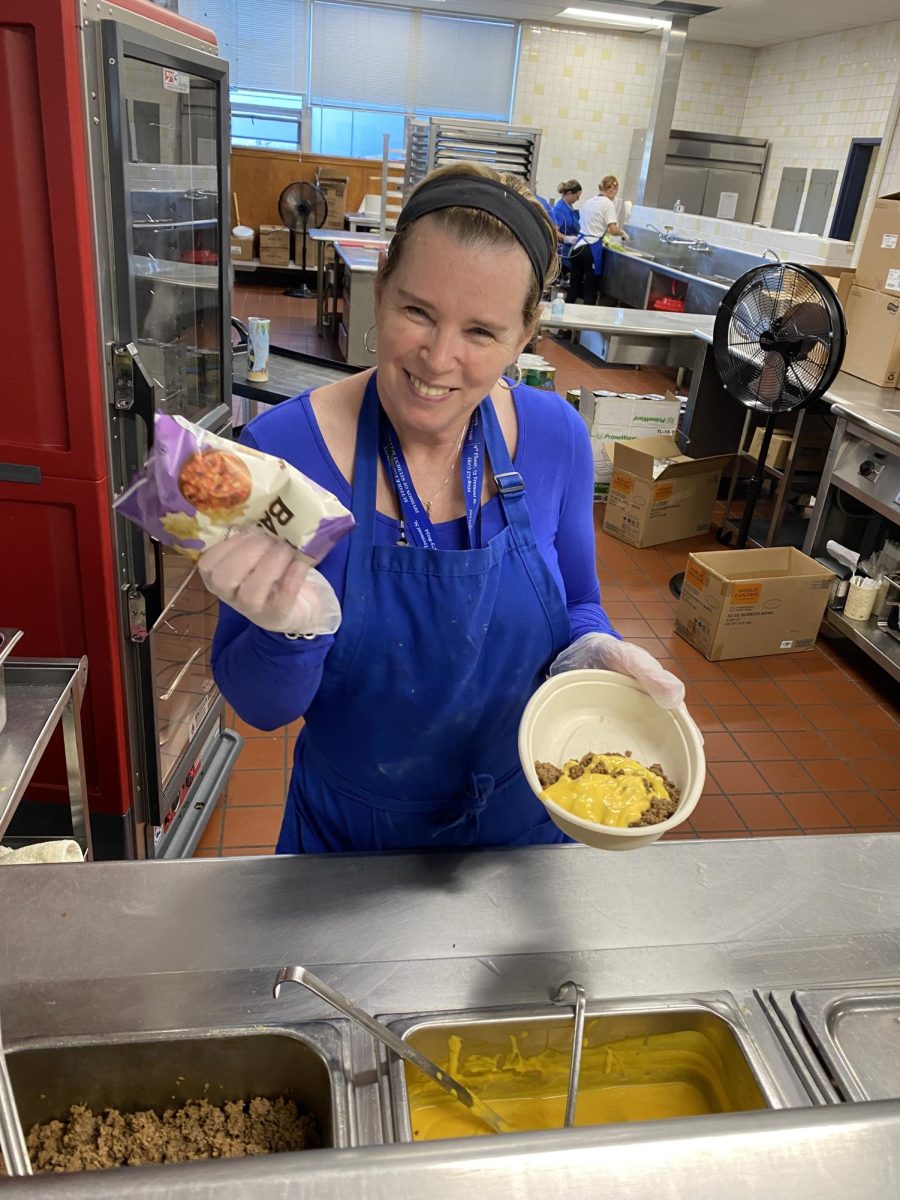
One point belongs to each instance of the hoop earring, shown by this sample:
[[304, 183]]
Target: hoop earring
[[510, 387], [370, 349]]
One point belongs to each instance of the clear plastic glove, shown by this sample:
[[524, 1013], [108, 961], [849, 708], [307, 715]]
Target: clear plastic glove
[[265, 581], [604, 652], [570, 239]]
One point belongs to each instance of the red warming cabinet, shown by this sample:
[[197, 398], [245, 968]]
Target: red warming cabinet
[[114, 143]]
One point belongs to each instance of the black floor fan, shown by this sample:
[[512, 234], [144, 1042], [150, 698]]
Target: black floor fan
[[778, 342], [302, 206]]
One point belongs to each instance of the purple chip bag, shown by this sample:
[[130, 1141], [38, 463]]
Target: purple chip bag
[[154, 490], [234, 487]]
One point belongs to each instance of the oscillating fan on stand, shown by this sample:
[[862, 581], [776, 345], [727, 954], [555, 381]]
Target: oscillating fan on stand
[[302, 206], [778, 342]]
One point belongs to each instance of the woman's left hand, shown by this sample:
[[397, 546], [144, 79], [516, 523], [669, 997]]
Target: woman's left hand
[[605, 652]]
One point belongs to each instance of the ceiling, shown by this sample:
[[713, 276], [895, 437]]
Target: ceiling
[[734, 22]]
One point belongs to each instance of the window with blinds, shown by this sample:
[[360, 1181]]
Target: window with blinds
[[263, 40], [366, 67], [366, 56]]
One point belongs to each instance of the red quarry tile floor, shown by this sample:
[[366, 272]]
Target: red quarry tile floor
[[808, 743]]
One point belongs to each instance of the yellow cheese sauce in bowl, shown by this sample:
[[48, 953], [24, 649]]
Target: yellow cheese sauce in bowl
[[618, 794]]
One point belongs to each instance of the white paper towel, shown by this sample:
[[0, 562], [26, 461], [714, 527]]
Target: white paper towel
[[65, 850]]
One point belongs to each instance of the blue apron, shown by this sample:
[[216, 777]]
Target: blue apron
[[596, 251], [411, 740]]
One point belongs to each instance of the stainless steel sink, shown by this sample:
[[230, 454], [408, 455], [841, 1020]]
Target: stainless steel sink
[[304, 1064], [698, 1048]]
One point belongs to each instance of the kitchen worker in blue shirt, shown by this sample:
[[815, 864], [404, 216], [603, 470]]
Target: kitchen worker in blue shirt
[[470, 572], [567, 217], [598, 217]]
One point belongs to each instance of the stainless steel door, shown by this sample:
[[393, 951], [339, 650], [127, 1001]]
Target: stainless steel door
[[687, 184], [731, 195]]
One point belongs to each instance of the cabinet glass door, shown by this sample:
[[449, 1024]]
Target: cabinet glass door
[[166, 108], [172, 202]]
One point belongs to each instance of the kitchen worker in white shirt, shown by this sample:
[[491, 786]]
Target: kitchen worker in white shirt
[[598, 217]]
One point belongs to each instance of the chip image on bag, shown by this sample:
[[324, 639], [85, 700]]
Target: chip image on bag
[[196, 488]]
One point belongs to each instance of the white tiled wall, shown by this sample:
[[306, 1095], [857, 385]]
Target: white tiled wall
[[713, 88], [587, 91], [809, 98]]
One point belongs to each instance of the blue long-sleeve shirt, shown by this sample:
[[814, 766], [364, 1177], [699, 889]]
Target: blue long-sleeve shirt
[[568, 222], [271, 680]]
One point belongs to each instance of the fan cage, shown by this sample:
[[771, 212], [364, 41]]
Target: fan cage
[[779, 337]]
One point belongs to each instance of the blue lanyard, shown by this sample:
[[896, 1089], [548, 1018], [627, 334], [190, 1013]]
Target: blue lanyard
[[414, 520]]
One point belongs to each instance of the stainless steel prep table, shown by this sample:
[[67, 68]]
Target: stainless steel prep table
[[322, 237], [125, 947], [863, 463]]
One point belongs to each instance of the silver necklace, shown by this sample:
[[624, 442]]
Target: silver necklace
[[428, 503]]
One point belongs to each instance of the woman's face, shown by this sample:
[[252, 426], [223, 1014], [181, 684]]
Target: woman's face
[[449, 321], [573, 197], [611, 191]]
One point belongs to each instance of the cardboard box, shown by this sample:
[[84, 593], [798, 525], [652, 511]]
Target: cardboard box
[[334, 188], [242, 247], [657, 494], [873, 337], [274, 245], [878, 268], [745, 603], [778, 448], [618, 418], [840, 278]]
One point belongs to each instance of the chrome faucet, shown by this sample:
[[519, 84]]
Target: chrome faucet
[[776, 257], [671, 238]]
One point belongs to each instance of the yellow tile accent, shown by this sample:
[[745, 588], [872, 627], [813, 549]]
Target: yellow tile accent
[[640, 69], [539, 89], [624, 118], [562, 112], [567, 72], [577, 135], [619, 88], [579, 51], [706, 88], [582, 93]]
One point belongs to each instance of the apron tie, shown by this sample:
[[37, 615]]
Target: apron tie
[[479, 790]]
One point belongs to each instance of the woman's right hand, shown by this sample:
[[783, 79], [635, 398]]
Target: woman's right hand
[[268, 583]]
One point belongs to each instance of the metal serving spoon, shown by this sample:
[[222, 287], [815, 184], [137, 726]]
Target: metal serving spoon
[[12, 1137], [345, 1005], [564, 995]]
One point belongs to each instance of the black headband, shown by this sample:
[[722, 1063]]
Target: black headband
[[517, 213]]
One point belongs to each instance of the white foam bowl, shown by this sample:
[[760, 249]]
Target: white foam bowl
[[581, 712]]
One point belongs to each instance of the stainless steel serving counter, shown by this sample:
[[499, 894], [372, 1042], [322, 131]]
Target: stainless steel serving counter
[[111, 950]]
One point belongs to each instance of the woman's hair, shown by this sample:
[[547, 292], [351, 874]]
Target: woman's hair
[[473, 227], [607, 182], [568, 185]]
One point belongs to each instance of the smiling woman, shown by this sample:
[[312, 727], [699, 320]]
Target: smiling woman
[[471, 567]]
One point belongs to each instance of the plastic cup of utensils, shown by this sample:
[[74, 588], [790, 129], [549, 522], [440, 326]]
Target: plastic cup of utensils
[[861, 597], [590, 712]]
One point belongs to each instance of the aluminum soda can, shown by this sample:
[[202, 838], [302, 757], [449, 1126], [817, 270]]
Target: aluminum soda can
[[258, 349], [573, 395]]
